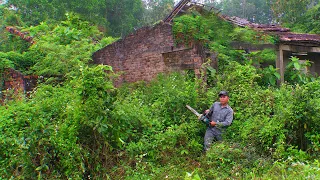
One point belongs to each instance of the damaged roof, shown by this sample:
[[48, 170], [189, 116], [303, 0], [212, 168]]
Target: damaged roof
[[22, 35], [260, 27], [285, 35], [300, 38]]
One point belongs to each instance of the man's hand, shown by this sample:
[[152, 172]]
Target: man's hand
[[212, 123]]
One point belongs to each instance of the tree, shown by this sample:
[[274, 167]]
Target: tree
[[156, 10], [210, 2], [254, 10], [287, 12], [290, 11], [115, 17], [313, 20], [10, 42], [35, 11], [123, 15], [310, 22]]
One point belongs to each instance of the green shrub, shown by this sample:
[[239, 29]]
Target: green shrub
[[274, 120], [161, 105], [62, 131], [232, 160]]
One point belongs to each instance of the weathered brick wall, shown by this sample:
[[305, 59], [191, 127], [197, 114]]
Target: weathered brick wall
[[182, 59], [15, 83], [146, 53]]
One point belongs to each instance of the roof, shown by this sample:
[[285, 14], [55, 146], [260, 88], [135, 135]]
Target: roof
[[176, 10], [23, 35], [285, 34], [261, 27], [300, 38]]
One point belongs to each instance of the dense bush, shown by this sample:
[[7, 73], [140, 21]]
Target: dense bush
[[274, 119], [149, 114], [65, 129], [150, 127], [52, 134]]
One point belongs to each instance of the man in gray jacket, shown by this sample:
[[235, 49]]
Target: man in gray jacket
[[221, 115]]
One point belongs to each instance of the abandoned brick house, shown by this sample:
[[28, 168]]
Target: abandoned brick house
[[151, 50], [144, 54]]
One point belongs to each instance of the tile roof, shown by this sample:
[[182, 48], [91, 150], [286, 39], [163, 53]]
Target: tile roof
[[302, 38]]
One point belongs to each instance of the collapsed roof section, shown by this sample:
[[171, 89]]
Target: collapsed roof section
[[176, 10], [22, 35], [303, 39], [285, 35], [260, 27]]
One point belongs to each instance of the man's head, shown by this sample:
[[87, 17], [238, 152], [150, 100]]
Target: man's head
[[224, 97]]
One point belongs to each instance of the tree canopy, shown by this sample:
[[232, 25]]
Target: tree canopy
[[115, 17], [286, 12]]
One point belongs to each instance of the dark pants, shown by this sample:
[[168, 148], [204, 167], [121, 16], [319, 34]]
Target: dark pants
[[212, 134]]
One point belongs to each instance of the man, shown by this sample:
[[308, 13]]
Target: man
[[221, 115]]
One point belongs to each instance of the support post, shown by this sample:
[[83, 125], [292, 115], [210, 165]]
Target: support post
[[280, 64]]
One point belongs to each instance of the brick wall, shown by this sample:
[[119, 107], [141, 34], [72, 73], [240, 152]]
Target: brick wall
[[15, 84], [148, 52]]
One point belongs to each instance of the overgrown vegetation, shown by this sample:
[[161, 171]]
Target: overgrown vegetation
[[77, 125]]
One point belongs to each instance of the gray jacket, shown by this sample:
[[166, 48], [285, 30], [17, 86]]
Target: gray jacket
[[222, 116]]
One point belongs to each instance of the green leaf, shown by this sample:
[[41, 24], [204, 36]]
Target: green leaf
[[276, 74], [184, 152], [297, 65], [272, 81]]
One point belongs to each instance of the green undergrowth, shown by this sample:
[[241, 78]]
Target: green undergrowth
[[144, 131], [82, 127]]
